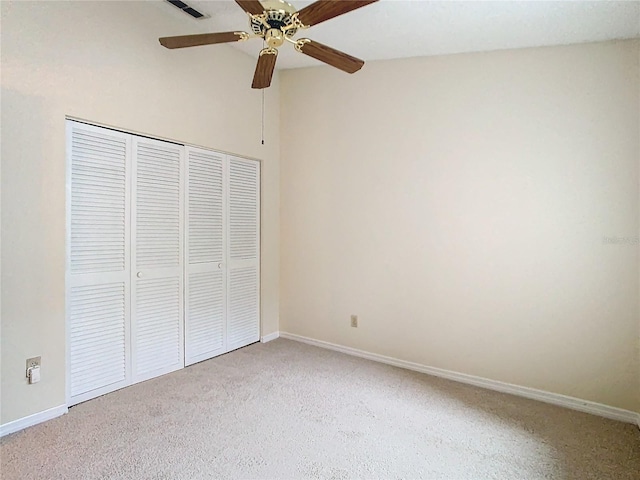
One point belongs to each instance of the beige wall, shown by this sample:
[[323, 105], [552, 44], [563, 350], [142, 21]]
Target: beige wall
[[92, 61], [458, 205]]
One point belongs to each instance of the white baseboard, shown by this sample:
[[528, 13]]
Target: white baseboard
[[31, 420], [271, 336], [532, 393]]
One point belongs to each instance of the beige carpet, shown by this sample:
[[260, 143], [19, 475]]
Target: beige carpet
[[288, 410]]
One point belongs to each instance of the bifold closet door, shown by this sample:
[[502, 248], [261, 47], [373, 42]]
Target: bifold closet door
[[157, 258], [98, 246], [163, 257], [243, 311], [205, 299]]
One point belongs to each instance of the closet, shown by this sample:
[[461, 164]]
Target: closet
[[163, 257]]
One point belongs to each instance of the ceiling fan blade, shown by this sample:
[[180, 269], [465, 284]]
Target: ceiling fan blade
[[254, 7], [329, 55], [264, 68], [323, 10], [183, 41]]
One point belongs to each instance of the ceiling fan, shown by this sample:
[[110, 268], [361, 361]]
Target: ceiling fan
[[276, 21]]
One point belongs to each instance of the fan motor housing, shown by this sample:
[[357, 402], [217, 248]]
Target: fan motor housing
[[278, 15]]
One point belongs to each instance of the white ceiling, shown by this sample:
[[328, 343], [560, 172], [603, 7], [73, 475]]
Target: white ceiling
[[410, 28]]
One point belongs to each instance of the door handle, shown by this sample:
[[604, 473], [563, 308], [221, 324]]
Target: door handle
[[220, 265], [139, 274]]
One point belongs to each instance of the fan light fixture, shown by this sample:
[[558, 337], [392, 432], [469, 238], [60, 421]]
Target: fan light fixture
[[276, 22]]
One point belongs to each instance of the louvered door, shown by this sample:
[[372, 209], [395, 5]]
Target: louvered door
[[243, 310], [205, 305], [98, 246], [157, 258], [146, 218]]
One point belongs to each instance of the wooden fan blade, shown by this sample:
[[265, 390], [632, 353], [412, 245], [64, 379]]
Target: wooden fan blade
[[254, 7], [183, 41], [330, 56], [323, 10], [264, 68]]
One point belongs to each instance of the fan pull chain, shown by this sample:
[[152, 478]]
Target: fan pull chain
[[264, 44]]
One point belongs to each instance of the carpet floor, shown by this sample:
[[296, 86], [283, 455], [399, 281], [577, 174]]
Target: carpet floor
[[286, 410]]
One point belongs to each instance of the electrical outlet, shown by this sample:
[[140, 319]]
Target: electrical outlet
[[354, 321], [31, 363]]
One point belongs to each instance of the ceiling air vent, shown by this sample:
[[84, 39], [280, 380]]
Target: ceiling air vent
[[187, 9]]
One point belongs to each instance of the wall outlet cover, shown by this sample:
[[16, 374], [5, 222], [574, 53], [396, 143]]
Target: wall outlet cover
[[31, 363]]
